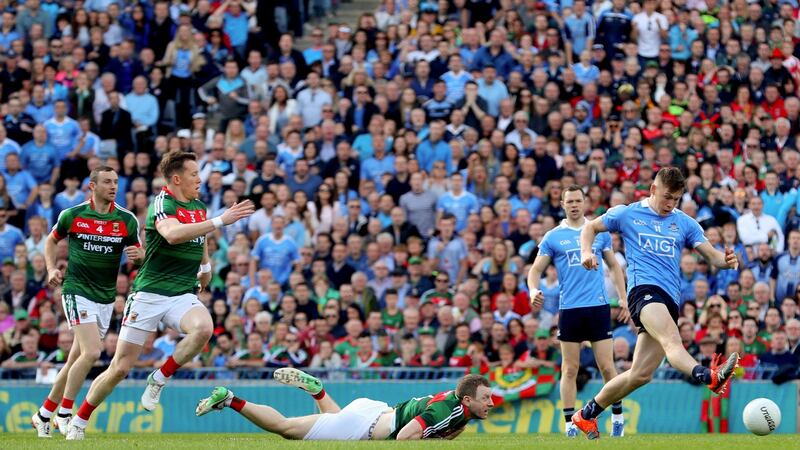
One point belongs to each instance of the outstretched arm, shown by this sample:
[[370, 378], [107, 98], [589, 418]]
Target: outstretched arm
[[589, 232], [718, 259], [177, 233]]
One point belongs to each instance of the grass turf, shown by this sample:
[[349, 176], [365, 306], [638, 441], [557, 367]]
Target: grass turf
[[258, 441]]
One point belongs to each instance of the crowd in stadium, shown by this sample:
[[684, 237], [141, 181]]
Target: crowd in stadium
[[406, 166]]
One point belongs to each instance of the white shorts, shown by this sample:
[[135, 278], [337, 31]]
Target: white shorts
[[80, 310], [352, 423], [144, 311]]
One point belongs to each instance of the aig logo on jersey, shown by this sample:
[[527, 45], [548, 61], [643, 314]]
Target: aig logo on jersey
[[658, 245], [573, 257]]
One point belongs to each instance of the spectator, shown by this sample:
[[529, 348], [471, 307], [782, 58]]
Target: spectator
[[253, 355], [326, 358], [275, 252], [779, 353], [29, 357], [755, 227]]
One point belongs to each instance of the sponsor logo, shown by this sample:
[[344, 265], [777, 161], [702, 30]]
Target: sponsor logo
[[657, 245], [98, 238], [768, 418], [574, 257], [648, 297], [97, 248]]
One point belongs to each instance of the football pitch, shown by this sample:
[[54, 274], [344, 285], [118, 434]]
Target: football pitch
[[258, 441]]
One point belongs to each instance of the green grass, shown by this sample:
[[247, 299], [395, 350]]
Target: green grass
[[18, 441]]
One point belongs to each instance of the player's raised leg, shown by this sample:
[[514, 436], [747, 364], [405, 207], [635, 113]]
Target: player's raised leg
[[646, 358], [265, 417], [126, 355], [604, 356], [666, 333], [196, 324], [716, 377], [310, 384]]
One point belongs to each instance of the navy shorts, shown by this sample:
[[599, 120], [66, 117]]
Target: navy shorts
[[592, 323], [640, 296]]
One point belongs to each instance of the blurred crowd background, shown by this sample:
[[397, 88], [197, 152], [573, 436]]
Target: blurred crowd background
[[405, 164]]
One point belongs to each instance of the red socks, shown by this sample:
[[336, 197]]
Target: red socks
[[237, 404], [49, 405], [86, 410], [169, 367], [67, 403], [319, 395]]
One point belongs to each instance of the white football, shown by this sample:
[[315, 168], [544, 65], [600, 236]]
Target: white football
[[761, 416]]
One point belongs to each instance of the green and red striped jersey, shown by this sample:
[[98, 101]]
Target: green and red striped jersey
[[170, 270], [439, 415], [95, 246]]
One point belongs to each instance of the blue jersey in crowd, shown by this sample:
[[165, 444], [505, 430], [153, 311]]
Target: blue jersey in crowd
[[63, 136], [460, 206], [786, 273], [10, 236], [40, 161], [277, 255], [653, 244], [579, 288]]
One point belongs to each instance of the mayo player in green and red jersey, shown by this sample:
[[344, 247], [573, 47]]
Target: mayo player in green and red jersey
[[440, 416], [176, 258], [98, 232]]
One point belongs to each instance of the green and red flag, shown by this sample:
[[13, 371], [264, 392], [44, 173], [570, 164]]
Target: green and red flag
[[511, 384]]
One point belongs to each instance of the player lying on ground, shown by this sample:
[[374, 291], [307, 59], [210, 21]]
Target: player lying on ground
[[584, 313], [443, 415], [99, 231], [654, 233], [164, 289]]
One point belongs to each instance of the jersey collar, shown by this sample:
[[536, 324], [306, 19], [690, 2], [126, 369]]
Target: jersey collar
[[166, 189], [466, 411], [565, 225], [91, 205], [645, 203]]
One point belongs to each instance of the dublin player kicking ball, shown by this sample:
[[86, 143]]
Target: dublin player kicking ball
[[98, 232], [176, 258], [655, 234], [440, 416]]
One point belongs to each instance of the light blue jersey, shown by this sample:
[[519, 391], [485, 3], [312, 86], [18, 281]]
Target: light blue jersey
[[63, 136], [653, 244], [460, 206], [579, 288], [277, 255]]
